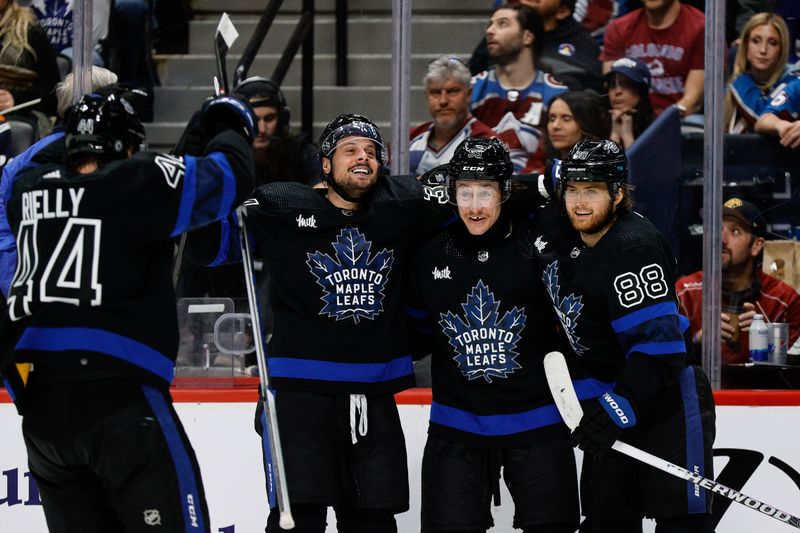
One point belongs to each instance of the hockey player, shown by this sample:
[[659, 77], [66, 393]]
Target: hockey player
[[339, 350], [478, 288], [92, 307], [611, 280]]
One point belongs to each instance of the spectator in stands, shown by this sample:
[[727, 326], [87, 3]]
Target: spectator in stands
[[780, 116], [511, 97], [746, 290], [669, 37], [630, 111], [28, 68], [55, 17], [569, 52], [789, 10], [573, 116], [279, 155], [448, 91], [759, 70]]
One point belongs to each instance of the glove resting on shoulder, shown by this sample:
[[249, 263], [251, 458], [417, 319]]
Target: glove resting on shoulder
[[603, 421]]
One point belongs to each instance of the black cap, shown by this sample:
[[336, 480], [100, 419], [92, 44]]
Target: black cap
[[746, 213]]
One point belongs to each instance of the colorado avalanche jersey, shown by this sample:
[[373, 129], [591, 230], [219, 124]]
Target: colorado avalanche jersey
[[786, 103], [616, 302], [422, 157], [490, 324], [93, 287], [518, 116], [337, 279], [750, 100]]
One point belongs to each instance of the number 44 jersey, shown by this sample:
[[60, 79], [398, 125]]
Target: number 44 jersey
[[616, 302], [93, 287]]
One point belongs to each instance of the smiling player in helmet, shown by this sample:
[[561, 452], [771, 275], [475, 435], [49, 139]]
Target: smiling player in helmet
[[611, 279], [482, 311]]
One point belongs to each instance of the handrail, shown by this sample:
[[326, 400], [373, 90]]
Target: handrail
[[255, 42], [298, 36]]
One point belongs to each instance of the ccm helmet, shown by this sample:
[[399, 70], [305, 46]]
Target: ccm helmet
[[103, 125], [481, 159], [352, 125], [262, 92], [595, 161]]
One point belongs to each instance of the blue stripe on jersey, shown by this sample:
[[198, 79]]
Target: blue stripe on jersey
[[269, 468], [695, 457], [589, 388], [415, 312], [187, 196], [101, 342], [22, 162], [10, 390], [494, 425], [228, 184], [225, 239], [658, 348], [683, 323], [187, 485], [289, 367], [641, 316]]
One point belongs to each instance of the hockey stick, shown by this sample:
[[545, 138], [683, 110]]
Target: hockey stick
[[276, 479], [555, 368]]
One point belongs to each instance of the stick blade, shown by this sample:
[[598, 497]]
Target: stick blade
[[560, 383], [226, 33]]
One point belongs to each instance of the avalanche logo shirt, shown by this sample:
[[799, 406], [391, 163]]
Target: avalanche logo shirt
[[485, 347], [352, 280]]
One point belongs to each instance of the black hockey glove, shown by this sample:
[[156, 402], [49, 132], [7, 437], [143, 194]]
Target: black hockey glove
[[602, 422], [434, 182], [194, 138], [229, 113]]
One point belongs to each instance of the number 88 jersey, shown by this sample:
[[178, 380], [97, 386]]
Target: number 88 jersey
[[616, 301]]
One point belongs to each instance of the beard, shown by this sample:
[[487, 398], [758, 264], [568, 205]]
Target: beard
[[599, 221], [506, 54], [351, 189]]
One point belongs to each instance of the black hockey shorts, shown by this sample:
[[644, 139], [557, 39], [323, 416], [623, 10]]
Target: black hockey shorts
[[458, 480], [323, 465], [617, 491], [111, 455]]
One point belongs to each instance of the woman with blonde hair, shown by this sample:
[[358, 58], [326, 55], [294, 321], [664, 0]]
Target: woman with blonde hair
[[759, 71], [28, 68]]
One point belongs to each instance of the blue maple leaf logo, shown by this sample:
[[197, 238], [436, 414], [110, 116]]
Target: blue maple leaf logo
[[352, 281], [567, 309], [485, 347]]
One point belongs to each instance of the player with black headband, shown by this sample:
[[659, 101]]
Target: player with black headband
[[279, 155], [478, 293], [91, 305], [611, 279], [339, 349]]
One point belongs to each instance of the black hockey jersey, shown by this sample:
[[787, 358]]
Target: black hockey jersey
[[483, 301], [92, 288], [616, 303], [337, 279]]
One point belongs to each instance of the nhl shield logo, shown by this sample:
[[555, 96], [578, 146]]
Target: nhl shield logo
[[152, 517], [483, 256], [352, 280], [485, 344]]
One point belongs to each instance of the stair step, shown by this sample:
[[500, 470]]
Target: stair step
[[366, 35], [363, 69], [176, 104], [354, 6]]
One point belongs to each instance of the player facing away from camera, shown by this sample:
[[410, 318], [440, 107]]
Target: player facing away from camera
[[92, 307], [611, 280], [478, 294]]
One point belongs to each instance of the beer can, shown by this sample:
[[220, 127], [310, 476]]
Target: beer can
[[778, 341]]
